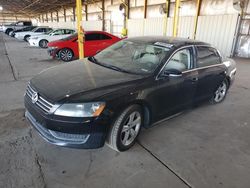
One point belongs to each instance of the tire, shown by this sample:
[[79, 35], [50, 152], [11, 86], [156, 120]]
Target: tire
[[66, 54], [121, 137], [8, 31], [26, 38], [43, 43], [220, 93]]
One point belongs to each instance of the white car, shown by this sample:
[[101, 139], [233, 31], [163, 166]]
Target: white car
[[37, 31], [43, 40]]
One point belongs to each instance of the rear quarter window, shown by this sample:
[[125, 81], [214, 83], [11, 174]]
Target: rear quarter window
[[207, 56]]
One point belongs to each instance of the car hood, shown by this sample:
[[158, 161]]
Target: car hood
[[79, 77]]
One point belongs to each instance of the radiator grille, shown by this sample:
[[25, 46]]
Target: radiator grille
[[41, 102]]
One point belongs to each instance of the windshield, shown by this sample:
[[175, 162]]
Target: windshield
[[33, 30], [133, 57]]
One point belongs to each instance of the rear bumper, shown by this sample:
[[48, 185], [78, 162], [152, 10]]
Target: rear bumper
[[82, 134]]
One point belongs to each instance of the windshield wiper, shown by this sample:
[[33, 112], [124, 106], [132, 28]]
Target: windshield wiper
[[94, 60]]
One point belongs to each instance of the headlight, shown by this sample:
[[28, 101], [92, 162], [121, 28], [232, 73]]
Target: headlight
[[53, 47], [81, 109]]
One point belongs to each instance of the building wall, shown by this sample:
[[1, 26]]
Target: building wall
[[220, 15], [8, 19]]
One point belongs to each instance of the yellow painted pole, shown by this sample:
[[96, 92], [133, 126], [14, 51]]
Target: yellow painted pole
[[198, 7], [166, 19], [80, 28], [176, 18]]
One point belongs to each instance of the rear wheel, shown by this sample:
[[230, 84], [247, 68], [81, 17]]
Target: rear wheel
[[26, 37], [66, 54], [125, 129], [43, 43], [220, 93]]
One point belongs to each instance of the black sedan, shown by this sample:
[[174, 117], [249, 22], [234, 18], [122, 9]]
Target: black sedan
[[132, 84]]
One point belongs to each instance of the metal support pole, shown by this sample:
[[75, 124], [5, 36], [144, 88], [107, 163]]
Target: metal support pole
[[176, 18], [166, 18], [57, 16], [74, 14], [64, 15], [145, 8], [86, 12], [51, 17], [198, 8], [80, 28], [103, 15]]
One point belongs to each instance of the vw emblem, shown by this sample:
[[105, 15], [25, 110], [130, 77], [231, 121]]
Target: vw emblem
[[34, 97]]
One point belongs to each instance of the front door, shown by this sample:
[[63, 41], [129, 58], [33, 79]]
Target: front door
[[176, 92]]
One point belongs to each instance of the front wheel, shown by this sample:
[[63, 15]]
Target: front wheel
[[125, 129], [43, 43], [26, 38], [220, 93], [66, 54]]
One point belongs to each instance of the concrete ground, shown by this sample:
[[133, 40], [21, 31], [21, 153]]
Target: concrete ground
[[208, 146]]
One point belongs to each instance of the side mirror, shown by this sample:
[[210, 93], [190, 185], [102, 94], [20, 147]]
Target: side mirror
[[172, 73]]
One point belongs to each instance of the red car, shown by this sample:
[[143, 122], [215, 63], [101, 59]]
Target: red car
[[67, 49]]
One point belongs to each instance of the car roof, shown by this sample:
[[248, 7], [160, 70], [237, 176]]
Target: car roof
[[174, 41]]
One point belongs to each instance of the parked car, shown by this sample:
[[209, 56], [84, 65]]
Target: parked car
[[67, 49], [131, 84], [35, 32], [16, 26], [30, 28], [43, 40]]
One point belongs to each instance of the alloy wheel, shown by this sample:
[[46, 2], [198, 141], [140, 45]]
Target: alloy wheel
[[131, 128], [220, 93], [66, 55], [44, 44]]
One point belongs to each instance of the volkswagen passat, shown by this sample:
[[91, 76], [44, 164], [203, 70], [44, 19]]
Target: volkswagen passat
[[132, 84]]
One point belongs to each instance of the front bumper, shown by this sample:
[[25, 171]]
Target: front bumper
[[33, 43], [84, 134], [19, 37], [53, 52]]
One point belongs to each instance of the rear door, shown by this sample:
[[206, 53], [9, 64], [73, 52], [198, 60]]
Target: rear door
[[211, 71], [94, 42]]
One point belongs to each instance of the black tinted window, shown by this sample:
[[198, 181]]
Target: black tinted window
[[96, 36], [207, 56], [27, 23], [39, 30]]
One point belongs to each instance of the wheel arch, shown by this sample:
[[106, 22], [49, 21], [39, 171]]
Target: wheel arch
[[146, 109]]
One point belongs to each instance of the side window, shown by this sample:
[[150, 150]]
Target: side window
[[207, 56], [19, 24], [47, 29], [180, 61], [104, 37], [39, 30], [96, 36], [92, 36], [27, 23], [68, 31], [58, 32]]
